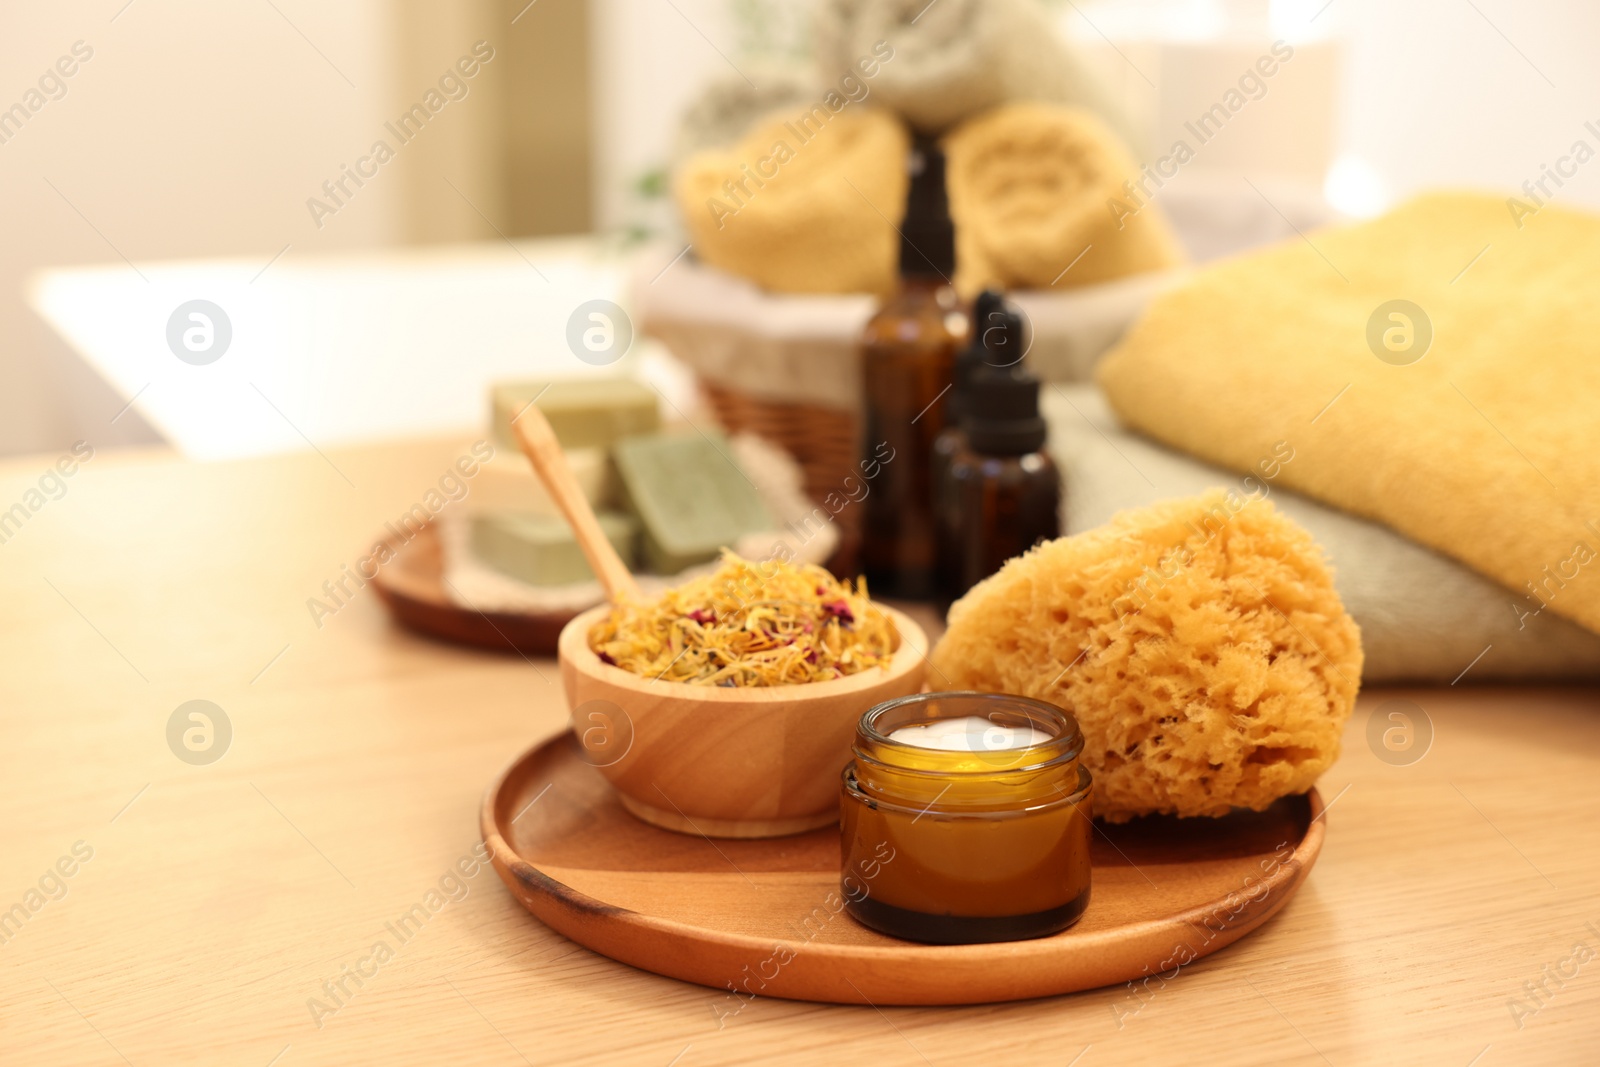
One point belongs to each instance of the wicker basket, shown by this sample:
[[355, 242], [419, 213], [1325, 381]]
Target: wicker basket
[[822, 440], [787, 367]]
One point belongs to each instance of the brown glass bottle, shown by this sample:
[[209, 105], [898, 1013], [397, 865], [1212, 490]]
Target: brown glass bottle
[[995, 330], [1005, 492], [908, 357]]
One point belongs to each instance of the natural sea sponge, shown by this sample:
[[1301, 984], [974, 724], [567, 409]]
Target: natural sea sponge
[[1199, 642], [804, 203]]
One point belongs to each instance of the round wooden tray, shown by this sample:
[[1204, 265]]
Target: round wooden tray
[[761, 917], [412, 587]]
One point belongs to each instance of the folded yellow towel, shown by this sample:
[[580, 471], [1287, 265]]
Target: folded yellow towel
[[1469, 426], [1030, 186], [803, 203]]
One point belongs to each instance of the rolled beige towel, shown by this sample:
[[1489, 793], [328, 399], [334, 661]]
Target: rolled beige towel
[[805, 203], [955, 58], [1030, 186]]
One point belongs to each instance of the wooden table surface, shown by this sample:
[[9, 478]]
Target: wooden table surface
[[207, 905]]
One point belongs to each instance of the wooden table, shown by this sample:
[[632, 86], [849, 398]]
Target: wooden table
[[220, 898]]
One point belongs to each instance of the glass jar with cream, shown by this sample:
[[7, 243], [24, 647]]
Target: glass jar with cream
[[965, 818]]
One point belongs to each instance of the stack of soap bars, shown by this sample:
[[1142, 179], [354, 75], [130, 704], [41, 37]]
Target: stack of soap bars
[[666, 500]]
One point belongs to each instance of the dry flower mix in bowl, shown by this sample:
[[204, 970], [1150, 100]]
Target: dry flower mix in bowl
[[748, 624]]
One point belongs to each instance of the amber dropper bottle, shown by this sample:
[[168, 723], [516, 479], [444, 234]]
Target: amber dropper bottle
[[1005, 491], [907, 356], [987, 312]]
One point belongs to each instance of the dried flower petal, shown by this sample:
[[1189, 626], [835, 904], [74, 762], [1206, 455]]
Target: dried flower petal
[[757, 624]]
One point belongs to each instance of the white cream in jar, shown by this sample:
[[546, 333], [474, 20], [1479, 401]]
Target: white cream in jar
[[970, 733]]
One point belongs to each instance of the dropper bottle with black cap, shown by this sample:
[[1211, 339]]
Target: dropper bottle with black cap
[[907, 355], [987, 310], [1005, 491]]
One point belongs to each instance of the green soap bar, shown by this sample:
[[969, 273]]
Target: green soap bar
[[584, 412], [540, 549], [690, 497]]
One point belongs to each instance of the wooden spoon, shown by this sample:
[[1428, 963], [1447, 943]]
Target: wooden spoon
[[539, 444]]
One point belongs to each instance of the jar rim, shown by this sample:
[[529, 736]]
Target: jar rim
[[1066, 744], [852, 788]]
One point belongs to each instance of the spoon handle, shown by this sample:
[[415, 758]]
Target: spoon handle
[[539, 444]]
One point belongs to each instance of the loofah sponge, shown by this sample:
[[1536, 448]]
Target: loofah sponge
[[1030, 186], [803, 203], [1199, 642]]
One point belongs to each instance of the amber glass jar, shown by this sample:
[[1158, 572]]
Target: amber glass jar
[[986, 839]]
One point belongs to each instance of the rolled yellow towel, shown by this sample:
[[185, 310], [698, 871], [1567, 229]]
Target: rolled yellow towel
[[1029, 191], [806, 203], [1199, 642], [1435, 369]]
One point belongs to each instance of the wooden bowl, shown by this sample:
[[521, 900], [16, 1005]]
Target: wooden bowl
[[726, 762]]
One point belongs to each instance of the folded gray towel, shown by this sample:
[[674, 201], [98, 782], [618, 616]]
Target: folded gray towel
[[728, 106], [955, 58], [1423, 617]]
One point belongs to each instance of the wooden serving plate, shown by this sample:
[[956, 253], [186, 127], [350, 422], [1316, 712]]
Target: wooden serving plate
[[412, 586], [760, 917]]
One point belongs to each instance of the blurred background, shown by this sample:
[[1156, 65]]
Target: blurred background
[[188, 145]]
